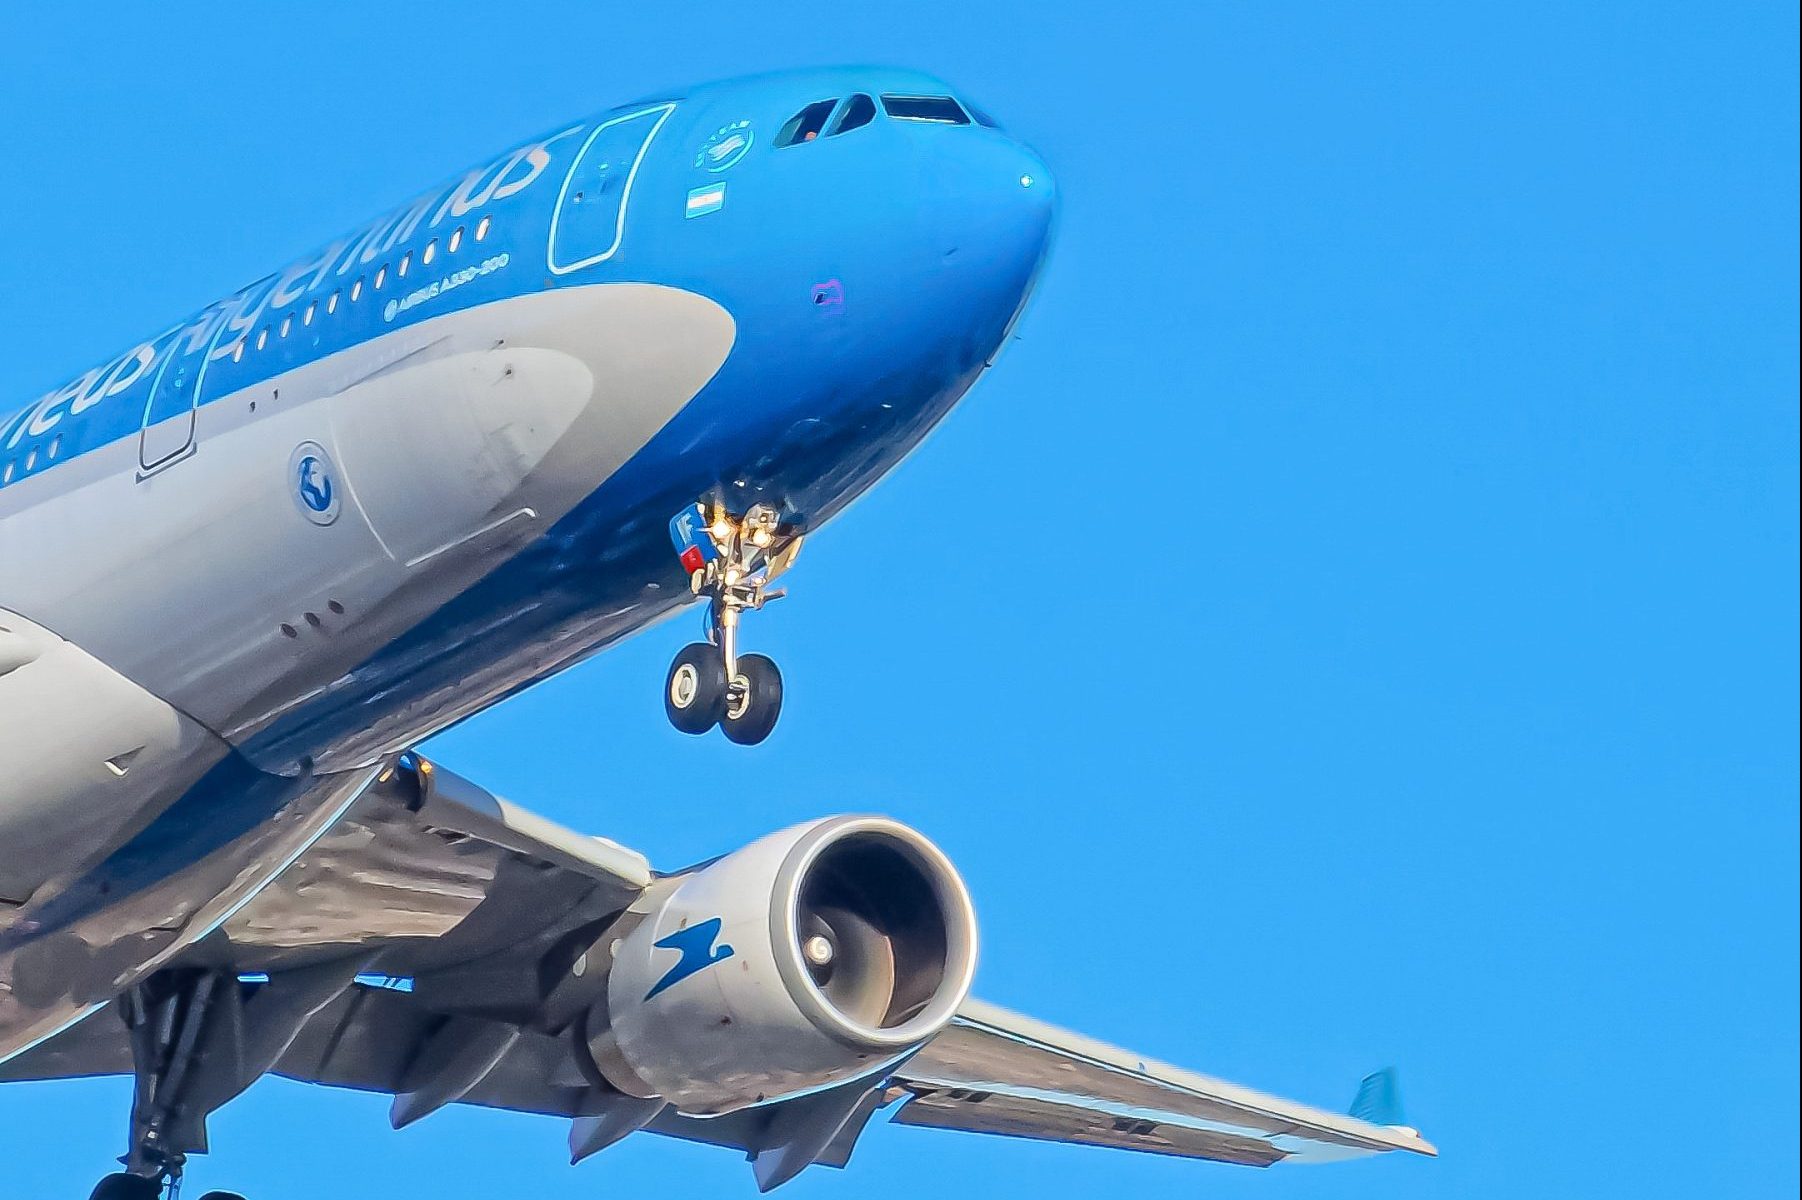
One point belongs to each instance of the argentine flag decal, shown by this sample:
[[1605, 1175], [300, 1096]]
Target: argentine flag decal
[[694, 545], [703, 200]]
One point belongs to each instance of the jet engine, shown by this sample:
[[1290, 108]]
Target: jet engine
[[810, 957]]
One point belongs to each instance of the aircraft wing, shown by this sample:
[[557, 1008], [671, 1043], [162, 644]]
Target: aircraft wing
[[429, 948], [993, 1071]]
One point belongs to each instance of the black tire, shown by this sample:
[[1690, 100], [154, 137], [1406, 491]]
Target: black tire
[[127, 1187], [694, 693], [221, 1196], [749, 719]]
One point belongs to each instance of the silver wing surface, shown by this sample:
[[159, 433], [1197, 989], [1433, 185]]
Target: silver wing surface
[[436, 946], [994, 1071]]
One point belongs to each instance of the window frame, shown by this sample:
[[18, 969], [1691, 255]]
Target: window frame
[[838, 124], [790, 134], [904, 98]]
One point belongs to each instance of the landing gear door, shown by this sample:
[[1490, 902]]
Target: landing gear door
[[590, 221]]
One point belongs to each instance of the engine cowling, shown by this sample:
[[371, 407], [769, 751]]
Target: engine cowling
[[809, 957]]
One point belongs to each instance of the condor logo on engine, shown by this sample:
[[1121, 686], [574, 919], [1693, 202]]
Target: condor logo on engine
[[695, 944]]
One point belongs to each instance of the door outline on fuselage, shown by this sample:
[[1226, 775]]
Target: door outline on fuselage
[[230, 309], [619, 226], [146, 465], [168, 345]]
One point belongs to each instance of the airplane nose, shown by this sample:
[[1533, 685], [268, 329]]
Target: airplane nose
[[1024, 213], [1034, 176], [1007, 212], [969, 214], [1038, 200]]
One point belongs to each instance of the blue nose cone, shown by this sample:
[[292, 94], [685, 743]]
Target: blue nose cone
[[1035, 206], [997, 231]]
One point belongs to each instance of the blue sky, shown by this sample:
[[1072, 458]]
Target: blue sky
[[1408, 424]]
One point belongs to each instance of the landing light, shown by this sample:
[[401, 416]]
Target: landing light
[[1026, 181]]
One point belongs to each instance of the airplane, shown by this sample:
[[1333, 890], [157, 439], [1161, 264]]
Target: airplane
[[247, 565]]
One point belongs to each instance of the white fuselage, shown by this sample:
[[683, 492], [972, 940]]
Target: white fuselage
[[169, 614]]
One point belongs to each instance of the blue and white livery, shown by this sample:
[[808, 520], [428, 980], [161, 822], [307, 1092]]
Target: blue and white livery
[[247, 563]]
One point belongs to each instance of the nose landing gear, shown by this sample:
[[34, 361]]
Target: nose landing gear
[[731, 561]]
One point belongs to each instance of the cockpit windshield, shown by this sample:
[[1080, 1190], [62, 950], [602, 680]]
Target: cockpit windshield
[[805, 125], [829, 118], [858, 111], [940, 109]]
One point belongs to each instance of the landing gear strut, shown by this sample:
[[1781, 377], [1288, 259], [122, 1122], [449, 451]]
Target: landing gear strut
[[731, 561], [183, 1024]]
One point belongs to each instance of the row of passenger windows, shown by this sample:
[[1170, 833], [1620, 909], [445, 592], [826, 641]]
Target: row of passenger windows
[[315, 310], [818, 119], [22, 466], [338, 299]]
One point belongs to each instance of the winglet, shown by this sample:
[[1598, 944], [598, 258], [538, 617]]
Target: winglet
[[1379, 1100]]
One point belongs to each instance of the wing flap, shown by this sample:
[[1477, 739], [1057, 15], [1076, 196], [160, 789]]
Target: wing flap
[[1042, 1119], [996, 1072]]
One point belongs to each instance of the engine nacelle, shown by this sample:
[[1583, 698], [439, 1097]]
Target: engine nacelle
[[810, 957]]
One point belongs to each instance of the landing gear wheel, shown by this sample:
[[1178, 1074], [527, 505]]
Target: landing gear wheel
[[221, 1196], [731, 561], [755, 701], [694, 695], [123, 1186]]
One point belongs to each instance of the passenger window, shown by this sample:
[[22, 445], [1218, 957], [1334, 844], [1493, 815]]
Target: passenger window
[[942, 110], [859, 111], [805, 125]]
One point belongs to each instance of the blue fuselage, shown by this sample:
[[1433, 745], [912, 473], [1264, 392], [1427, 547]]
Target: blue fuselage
[[515, 380]]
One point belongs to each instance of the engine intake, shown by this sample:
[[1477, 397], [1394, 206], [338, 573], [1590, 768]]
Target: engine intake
[[809, 957]]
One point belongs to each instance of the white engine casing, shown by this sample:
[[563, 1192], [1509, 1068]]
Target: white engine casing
[[735, 1015]]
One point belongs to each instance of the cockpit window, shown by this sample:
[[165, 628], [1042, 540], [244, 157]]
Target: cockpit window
[[858, 111], [941, 109], [805, 125], [982, 118]]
